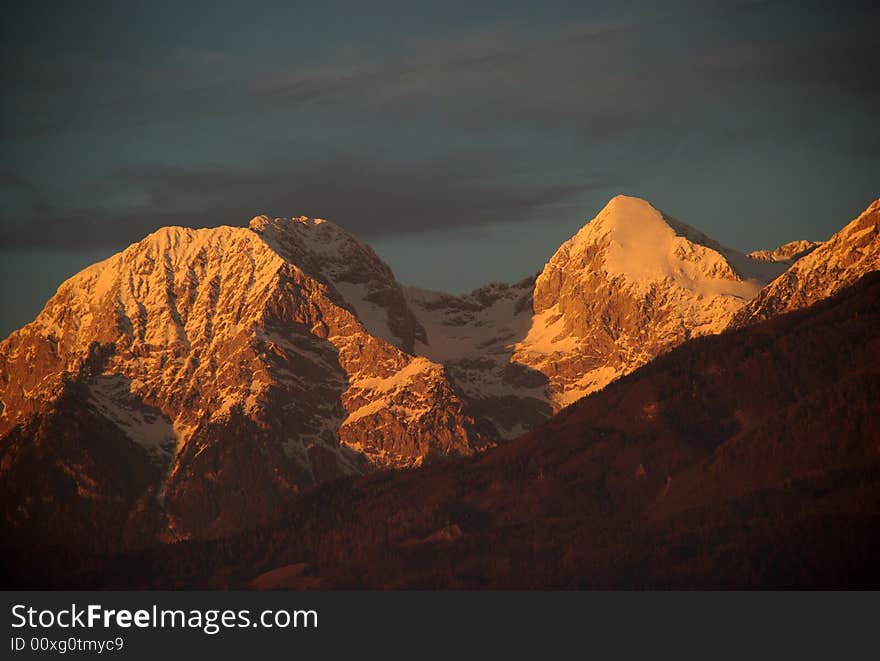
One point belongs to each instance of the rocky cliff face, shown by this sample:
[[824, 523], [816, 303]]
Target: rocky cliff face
[[192, 384], [788, 252], [240, 365], [827, 269], [630, 285], [735, 461], [474, 337]]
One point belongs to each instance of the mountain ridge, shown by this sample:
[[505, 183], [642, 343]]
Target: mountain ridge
[[662, 480], [293, 334], [216, 329], [822, 271]]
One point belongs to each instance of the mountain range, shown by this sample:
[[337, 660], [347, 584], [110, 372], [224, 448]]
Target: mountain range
[[729, 462], [201, 382]]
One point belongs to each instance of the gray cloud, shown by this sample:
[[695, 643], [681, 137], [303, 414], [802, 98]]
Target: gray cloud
[[536, 115], [367, 198]]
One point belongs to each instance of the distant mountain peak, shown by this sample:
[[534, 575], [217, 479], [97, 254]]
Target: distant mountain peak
[[788, 252], [826, 269], [640, 243], [627, 215], [630, 284]]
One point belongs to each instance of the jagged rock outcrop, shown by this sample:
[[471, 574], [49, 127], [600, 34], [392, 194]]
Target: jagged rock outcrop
[[630, 285], [789, 252], [832, 266], [474, 337], [245, 364]]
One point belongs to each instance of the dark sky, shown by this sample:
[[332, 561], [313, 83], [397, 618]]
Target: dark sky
[[464, 141]]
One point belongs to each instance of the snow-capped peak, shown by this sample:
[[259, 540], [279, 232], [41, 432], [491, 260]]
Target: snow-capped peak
[[632, 240], [627, 216], [630, 284]]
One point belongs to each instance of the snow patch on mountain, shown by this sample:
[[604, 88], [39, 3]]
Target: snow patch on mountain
[[644, 247], [373, 316], [547, 335], [112, 397]]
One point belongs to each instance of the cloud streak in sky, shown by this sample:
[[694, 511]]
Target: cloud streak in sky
[[499, 121], [375, 199]]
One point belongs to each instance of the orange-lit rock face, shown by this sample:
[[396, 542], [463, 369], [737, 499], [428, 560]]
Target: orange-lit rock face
[[195, 382], [712, 467], [238, 374], [828, 268], [630, 285]]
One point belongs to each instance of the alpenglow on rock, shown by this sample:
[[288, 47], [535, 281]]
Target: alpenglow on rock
[[831, 266], [194, 383], [631, 284], [240, 365]]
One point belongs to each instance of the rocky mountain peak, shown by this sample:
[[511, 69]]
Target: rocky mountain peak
[[356, 275], [633, 241], [788, 252], [632, 283], [831, 266], [262, 360]]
